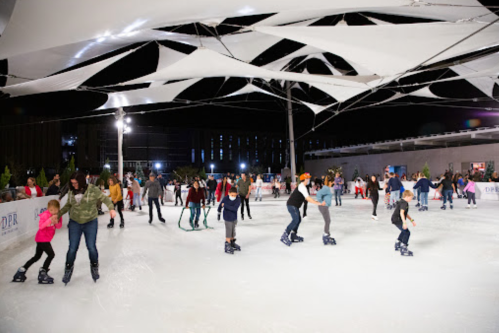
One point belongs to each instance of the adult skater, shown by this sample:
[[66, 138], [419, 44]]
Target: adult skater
[[393, 186], [277, 187], [244, 190], [116, 195], [162, 182], [448, 190], [338, 188], [359, 187], [154, 188], [223, 188], [136, 194], [305, 204], [325, 195], [211, 185], [399, 219], [82, 207], [296, 199], [177, 189], [194, 200], [259, 185], [230, 204], [373, 186], [423, 185]]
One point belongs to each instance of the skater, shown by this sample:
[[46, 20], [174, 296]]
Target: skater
[[45, 234], [116, 196], [393, 186], [230, 205], [129, 197], [194, 200], [338, 188], [373, 186], [359, 187], [325, 195], [259, 185], [288, 185], [154, 188], [244, 190], [470, 191], [296, 199], [162, 182], [448, 190], [277, 186], [223, 188], [423, 185], [211, 185], [136, 194], [178, 192], [81, 204], [399, 219]]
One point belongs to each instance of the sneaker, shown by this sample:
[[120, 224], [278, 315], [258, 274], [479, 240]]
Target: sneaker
[[285, 239]]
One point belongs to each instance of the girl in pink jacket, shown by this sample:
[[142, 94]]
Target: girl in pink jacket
[[470, 191], [43, 238]]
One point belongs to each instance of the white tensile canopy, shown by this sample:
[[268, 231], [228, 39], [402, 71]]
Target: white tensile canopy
[[41, 42]]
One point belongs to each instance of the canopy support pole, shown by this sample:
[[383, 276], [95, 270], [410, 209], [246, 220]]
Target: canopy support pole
[[291, 134], [120, 116]]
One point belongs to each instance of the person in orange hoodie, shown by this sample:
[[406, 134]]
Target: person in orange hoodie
[[116, 196]]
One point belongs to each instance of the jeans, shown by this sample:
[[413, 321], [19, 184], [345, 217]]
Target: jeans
[[424, 199], [211, 196], [337, 195], [447, 194], [40, 248], [89, 229], [418, 193], [404, 234], [394, 196], [471, 196], [258, 192], [295, 219], [150, 201], [136, 200], [195, 209]]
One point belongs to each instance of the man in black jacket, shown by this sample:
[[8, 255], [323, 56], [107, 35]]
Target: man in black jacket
[[211, 185]]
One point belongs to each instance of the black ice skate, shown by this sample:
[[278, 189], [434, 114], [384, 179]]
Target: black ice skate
[[94, 270], [443, 207], [122, 224], [418, 205], [44, 278], [397, 246], [111, 224], [68, 272], [242, 217], [295, 238], [451, 206], [20, 275], [162, 220], [100, 212], [404, 251], [235, 247], [285, 239], [228, 248], [327, 240]]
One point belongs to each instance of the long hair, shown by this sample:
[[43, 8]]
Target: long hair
[[370, 182], [328, 180], [82, 182], [113, 178]]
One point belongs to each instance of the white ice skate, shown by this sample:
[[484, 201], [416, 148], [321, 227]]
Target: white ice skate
[[375, 218]]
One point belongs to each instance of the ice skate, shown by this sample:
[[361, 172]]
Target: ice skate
[[397, 246], [285, 239], [328, 240], [228, 248], [68, 272], [161, 219], [426, 208], [150, 220], [260, 199], [111, 224], [44, 278], [375, 218], [295, 238], [242, 217], [418, 205], [443, 207], [404, 251], [474, 206], [468, 207], [94, 270], [122, 224], [451, 206], [100, 212], [235, 247], [20, 275], [421, 209], [250, 216], [196, 224]]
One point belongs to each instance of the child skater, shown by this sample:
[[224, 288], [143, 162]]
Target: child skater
[[399, 218], [129, 197], [325, 194], [230, 205], [43, 238], [470, 191], [423, 185]]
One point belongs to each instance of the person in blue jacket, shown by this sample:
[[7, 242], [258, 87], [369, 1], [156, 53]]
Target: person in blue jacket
[[325, 195], [393, 186], [230, 204], [424, 187]]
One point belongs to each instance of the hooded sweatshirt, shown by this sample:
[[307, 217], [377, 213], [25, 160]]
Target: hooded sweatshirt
[[46, 231], [84, 208]]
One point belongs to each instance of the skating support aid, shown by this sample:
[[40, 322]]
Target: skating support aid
[[193, 228]]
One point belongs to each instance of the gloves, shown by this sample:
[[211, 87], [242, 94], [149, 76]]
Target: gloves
[[218, 218]]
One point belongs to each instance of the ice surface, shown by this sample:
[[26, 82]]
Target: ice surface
[[158, 278]]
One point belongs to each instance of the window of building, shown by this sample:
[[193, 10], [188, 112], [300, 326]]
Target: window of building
[[193, 156], [221, 154], [230, 148], [202, 155]]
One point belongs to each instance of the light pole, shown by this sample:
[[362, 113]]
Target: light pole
[[122, 128], [212, 166]]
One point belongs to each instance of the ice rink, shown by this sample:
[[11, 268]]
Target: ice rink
[[158, 278]]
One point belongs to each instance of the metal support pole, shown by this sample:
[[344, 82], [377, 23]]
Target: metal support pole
[[291, 134], [120, 116]]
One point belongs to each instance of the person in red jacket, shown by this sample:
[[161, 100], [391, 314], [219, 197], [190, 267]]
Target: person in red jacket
[[193, 201], [223, 188], [32, 189]]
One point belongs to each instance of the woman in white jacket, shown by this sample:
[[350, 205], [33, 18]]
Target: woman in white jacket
[[259, 185]]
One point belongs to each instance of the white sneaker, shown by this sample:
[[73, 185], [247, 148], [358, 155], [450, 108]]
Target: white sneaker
[[375, 218], [468, 207], [474, 206]]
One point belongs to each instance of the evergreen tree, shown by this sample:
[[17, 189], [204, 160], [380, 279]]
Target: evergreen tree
[[355, 174], [140, 174], [489, 170], [426, 170], [104, 175], [68, 171], [5, 178], [41, 180], [202, 174]]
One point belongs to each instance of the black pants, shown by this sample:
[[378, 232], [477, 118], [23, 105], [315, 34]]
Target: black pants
[[404, 234], [374, 199], [305, 206], [40, 248], [244, 200], [120, 207], [178, 196], [156, 202]]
